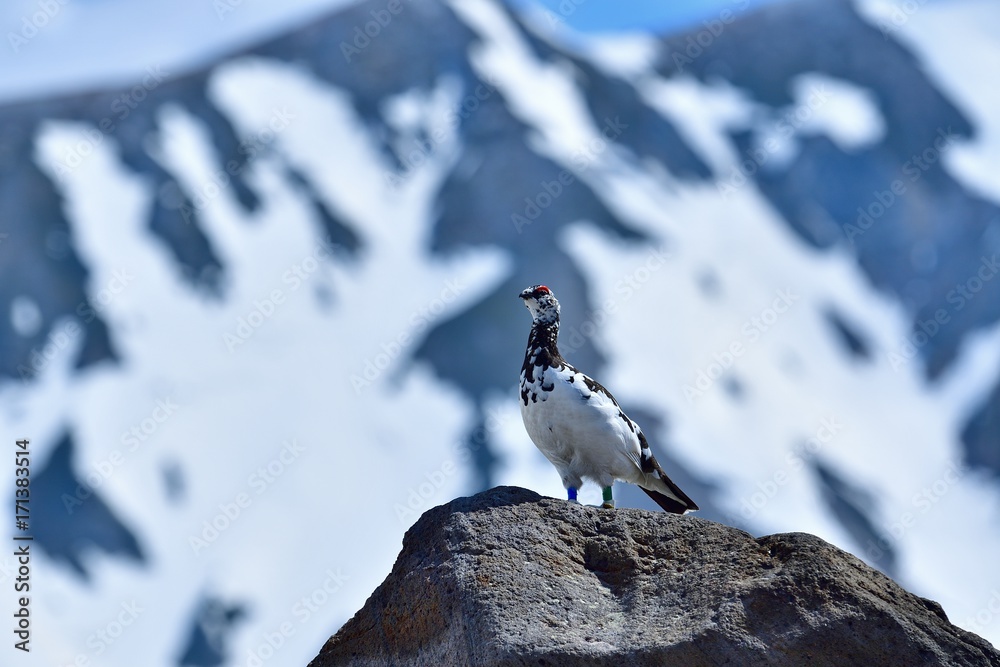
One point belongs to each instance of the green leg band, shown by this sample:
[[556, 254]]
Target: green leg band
[[607, 495]]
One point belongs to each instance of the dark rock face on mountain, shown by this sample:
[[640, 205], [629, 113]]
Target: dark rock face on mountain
[[914, 249], [507, 577]]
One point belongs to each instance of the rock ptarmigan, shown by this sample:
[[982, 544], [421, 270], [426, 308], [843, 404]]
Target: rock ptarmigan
[[577, 424]]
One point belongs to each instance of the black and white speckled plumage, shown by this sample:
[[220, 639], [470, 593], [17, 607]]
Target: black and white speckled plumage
[[576, 423]]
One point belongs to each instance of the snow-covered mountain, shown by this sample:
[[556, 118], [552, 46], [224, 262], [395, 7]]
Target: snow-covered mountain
[[264, 314]]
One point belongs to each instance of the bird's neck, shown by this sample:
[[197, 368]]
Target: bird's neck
[[543, 348]]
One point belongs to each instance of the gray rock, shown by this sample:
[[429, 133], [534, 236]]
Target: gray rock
[[508, 577]]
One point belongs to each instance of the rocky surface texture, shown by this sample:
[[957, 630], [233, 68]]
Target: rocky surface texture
[[508, 577]]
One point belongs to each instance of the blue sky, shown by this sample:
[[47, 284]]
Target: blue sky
[[59, 45], [659, 15]]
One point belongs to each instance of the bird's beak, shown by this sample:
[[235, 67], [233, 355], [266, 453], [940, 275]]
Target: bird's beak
[[525, 295]]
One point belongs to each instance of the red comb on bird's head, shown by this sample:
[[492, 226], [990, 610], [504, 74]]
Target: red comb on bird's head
[[536, 292]]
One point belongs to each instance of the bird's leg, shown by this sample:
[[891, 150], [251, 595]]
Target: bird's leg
[[571, 493], [609, 502]]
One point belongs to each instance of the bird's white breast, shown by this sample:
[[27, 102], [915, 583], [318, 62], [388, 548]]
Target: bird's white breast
[[576, 427]]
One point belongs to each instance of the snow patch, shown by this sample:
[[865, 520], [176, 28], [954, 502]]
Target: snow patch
[[627, 56], [956, 41], [25, 317], [705, 113], [702, 114], [842, 110]]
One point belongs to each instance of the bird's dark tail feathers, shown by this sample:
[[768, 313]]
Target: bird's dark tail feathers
[[671, 505], [676, 501]]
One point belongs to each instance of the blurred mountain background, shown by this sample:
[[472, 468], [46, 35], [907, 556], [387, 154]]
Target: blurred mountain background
[[260, 268]]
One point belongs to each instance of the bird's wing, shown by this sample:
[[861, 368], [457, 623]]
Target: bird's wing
[[634, 446], [627, 431], [671, 497]]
